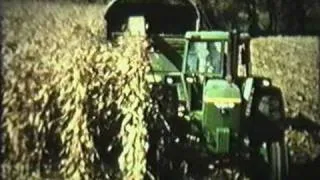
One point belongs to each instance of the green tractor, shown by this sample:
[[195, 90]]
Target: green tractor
[[232, 116]]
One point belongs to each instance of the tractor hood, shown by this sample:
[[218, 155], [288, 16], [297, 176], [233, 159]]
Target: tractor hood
[[221, 113], [220, 92]]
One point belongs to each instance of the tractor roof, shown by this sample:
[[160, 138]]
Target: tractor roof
[[207, 35]]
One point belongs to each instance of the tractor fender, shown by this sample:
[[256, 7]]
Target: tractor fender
[[267, 115], [273, 93]]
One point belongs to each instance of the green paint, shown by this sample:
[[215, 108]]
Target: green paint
[[222, 137], [208, 35], [162, 63], [181, 93], [217, 121], [221, 88]]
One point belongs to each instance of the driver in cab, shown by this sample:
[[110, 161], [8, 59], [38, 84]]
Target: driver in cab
[[205, 57]]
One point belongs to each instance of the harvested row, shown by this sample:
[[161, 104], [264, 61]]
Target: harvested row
[[293, 65]]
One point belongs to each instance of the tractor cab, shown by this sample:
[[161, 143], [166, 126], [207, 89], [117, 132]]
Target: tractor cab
[[205, 53], [211, 57], [212, 97]]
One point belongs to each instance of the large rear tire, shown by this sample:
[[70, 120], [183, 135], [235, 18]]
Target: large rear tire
[[270, 113], [278, 161]]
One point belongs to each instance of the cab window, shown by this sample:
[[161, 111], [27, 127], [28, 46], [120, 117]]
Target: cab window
[[205, 57]]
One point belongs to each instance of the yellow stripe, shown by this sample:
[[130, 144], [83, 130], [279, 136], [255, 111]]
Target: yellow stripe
[[222, 100]]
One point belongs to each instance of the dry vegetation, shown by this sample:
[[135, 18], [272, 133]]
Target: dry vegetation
[[61, 79], [293, 65]]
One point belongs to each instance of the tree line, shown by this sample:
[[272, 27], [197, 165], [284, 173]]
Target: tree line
[[259, 17], [266, 16]]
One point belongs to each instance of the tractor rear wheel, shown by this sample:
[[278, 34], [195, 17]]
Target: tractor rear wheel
[[278, 161], [270, 113]]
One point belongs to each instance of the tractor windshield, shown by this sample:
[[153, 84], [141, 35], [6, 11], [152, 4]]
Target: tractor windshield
[[205, 57]]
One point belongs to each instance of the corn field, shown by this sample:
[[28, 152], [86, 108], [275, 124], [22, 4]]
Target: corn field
[[70, 97], [61, 80]]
